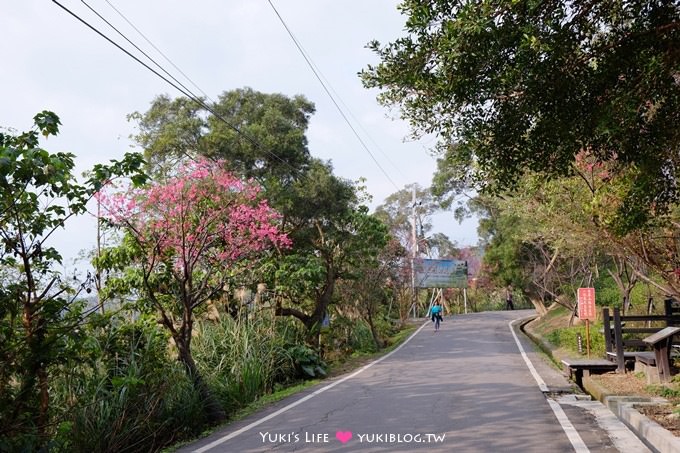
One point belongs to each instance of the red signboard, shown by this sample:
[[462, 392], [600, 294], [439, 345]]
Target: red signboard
[[586, 304]]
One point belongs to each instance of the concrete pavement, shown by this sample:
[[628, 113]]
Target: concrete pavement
[[465, 388]]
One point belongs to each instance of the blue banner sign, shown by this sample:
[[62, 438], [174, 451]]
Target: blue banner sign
[[440, 273]]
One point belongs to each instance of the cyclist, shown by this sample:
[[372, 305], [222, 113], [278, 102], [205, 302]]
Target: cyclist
[[436, 312]]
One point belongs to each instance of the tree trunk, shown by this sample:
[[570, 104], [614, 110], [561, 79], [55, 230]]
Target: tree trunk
[[35, 371], [574, 311], [213, 409], [539, 306], [624, 281], [43, 388], [626, 298], [279, 310], [313, 323], [374, 333], [650, 305]]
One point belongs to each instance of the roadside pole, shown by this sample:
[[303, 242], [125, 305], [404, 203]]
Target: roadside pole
[[414, 252], [586, 310]]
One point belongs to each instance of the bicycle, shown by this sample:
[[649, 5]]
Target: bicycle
[[436, 319], [436, 313]]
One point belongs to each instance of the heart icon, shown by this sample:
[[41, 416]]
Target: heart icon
[[343, 436]]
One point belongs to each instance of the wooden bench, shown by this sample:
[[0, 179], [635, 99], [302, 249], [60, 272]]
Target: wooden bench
[[661, 343], [623, 348], [577, 368], [630, 356], [646, 357]]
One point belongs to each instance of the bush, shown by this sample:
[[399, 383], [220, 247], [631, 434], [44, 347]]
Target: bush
[[567, 338], [492, 300], [127, 395], [665, 391], [361, 339], [385, 327], [608, 297], [308, 363], [346, 336]]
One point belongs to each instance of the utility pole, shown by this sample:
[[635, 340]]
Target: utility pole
[[414, 251]]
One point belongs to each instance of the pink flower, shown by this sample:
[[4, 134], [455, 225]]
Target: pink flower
[[202, 212]]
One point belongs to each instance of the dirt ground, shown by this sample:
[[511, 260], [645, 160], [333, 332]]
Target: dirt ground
[[623, 384], [666, 416]]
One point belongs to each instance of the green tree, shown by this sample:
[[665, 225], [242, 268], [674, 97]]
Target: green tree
[[439, 245], [514, 252], [258, 135], [372, 291], [332, 235], [38, 194], [546, 240], [516, 86], [276, 147], [397, 213]]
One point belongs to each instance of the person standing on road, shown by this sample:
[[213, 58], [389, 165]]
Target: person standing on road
[[508, 299], [436, 312]]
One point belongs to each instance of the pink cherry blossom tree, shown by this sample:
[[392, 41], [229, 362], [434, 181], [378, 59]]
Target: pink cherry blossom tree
[[188, 232]]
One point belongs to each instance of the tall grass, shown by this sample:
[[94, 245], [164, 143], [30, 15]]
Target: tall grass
[[126, 396], [243, 359]]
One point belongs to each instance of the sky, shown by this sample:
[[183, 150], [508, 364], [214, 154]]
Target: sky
[[51, 61]]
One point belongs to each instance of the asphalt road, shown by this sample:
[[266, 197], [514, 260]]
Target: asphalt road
[[477, 385]]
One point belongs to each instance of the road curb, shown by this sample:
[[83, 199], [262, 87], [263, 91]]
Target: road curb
[[656, 437]]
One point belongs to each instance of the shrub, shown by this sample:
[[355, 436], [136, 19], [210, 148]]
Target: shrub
[[346, 336], [127, 395], [308, 363], [567, 338]]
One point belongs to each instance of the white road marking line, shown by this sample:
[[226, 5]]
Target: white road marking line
[[532, 370], [569, 430], [302, 400]]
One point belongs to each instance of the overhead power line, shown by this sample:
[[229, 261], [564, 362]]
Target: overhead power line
[[156, 48], [330, 95], [356, 120], [178, 86], [136, 46]]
